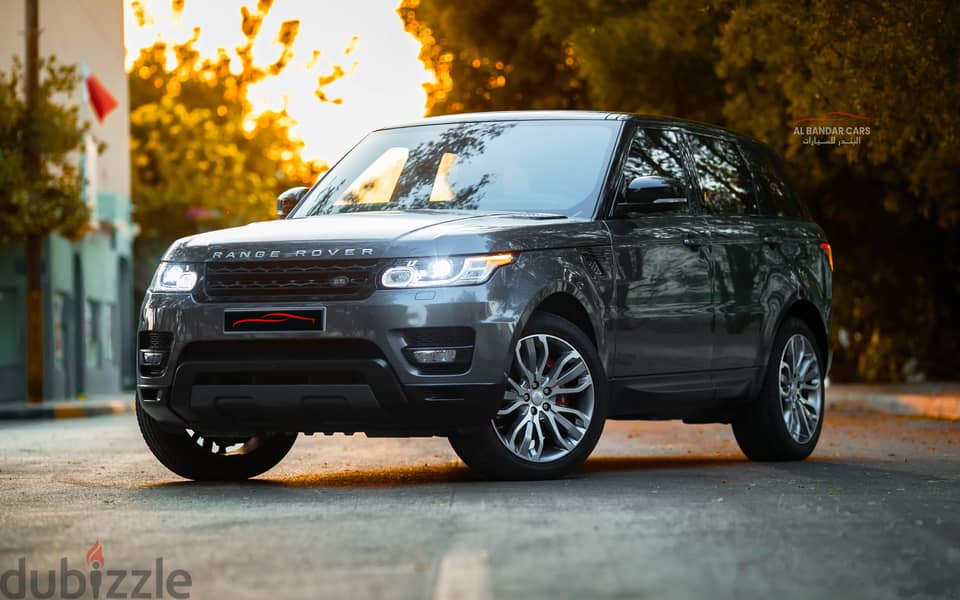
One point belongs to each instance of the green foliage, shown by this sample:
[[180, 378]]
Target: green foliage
[[201, 160], [890, 206], [52, 202]]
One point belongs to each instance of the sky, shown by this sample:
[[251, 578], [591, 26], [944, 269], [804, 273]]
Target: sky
[[383, 82]]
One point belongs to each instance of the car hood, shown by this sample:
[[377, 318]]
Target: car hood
[[388, 234]]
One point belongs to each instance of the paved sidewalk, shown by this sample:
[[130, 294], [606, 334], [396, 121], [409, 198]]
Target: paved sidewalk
[[928, 400], [115, 404]]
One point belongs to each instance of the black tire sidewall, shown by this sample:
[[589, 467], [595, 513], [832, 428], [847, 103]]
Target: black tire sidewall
[[766, 416], [178, 453]]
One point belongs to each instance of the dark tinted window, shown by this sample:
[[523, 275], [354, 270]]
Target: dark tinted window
[[530, 166], [724, 177], [654, 152], [776, 197]]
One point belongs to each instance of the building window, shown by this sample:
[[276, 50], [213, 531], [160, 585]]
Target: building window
[[9, 328], [106, 333], [57, 306], [91, 333]]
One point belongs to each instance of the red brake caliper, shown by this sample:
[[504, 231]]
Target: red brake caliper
[[560, 400]]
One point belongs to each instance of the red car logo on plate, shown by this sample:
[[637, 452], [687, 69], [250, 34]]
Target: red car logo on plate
[[274, 317]]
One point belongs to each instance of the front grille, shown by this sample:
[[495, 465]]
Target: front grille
[[279, 280], [437, 337], [155, 340]]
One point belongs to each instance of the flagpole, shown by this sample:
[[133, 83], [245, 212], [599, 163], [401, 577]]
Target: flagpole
[[34, 242]]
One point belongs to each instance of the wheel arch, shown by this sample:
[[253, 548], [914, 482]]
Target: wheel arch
[[807, 312], [567, 306]]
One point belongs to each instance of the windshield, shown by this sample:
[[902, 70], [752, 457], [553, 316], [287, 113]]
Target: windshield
[[520, 166]]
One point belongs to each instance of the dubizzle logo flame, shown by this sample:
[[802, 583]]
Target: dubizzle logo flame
[[95, 555]]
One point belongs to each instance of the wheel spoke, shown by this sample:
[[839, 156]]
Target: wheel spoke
[[559, 437], [518, 425], [524, 447], [516, 386], [559, 365], [579, 369], [803, 419], [506, 411], [527, 374], [576, 389], [572, 411], [537, 451], [542, 364], [564, 422], [538, 424]]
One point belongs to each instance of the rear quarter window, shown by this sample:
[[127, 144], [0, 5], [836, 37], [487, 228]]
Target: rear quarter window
[[773, 190]]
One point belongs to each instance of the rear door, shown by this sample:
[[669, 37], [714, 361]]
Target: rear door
[[662, 303], [737, 240]]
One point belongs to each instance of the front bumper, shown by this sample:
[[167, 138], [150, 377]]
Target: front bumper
[[352, 376]]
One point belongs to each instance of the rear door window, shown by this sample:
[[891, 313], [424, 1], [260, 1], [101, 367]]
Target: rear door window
[[724, 177]]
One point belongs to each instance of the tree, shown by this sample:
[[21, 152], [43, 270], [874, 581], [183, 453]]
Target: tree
[[890, 206], [200, 158], [498, 65], [40, 183]]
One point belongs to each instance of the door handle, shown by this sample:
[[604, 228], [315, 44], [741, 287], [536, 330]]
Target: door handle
[[692, 243], [772, 240]]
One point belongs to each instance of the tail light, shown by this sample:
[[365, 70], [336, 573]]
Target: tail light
[[825, 246]]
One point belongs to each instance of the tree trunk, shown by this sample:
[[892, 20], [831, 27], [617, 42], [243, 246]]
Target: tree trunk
[[34, 248]]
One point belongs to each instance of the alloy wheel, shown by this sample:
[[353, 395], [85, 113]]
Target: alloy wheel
[[549, 402], [801, 388], [222, 446]]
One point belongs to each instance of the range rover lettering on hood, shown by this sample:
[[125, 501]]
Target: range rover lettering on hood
[[297, 253]]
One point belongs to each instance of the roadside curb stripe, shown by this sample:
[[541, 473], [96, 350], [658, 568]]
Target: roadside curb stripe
[[944, 407], [65, 411]]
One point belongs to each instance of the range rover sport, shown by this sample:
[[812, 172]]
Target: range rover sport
[[506, 280]]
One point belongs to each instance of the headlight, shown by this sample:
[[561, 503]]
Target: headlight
[[443, 271], [174, 277]]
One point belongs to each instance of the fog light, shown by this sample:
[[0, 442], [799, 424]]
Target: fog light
[[432, 357], [151, 358]]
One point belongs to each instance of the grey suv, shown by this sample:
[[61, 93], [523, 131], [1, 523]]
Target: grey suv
[[507, 280]]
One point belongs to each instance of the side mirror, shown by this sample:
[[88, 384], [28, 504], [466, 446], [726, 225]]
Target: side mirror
[[288, 199], [652, 194]]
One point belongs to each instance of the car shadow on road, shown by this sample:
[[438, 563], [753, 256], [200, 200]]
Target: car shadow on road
[[454, 473]]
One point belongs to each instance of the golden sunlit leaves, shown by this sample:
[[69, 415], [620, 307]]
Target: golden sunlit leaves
[[139, 13], [196, 146], [351, 46]]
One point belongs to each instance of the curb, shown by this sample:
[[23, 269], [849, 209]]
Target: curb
[[928, 401], [65, 410]]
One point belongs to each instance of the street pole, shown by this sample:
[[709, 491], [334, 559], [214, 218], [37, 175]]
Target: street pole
[[34, 242]]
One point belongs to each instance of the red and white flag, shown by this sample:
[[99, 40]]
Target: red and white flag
[[101, 101]]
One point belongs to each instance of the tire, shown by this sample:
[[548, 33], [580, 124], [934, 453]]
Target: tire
[[762, 430], [180, 452], [551, 415]]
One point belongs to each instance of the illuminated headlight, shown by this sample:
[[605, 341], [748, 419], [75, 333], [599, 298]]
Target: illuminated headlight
[[443, 271], [174, 277]]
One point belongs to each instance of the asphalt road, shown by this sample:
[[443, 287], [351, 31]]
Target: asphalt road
[[662, 510]]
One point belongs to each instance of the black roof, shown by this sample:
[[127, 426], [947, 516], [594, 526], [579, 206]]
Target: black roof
[[567, 115]]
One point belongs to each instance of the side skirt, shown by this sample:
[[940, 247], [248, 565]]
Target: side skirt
[[694, 397]]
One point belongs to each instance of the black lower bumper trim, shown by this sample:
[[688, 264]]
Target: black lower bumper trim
[[241, 397]]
